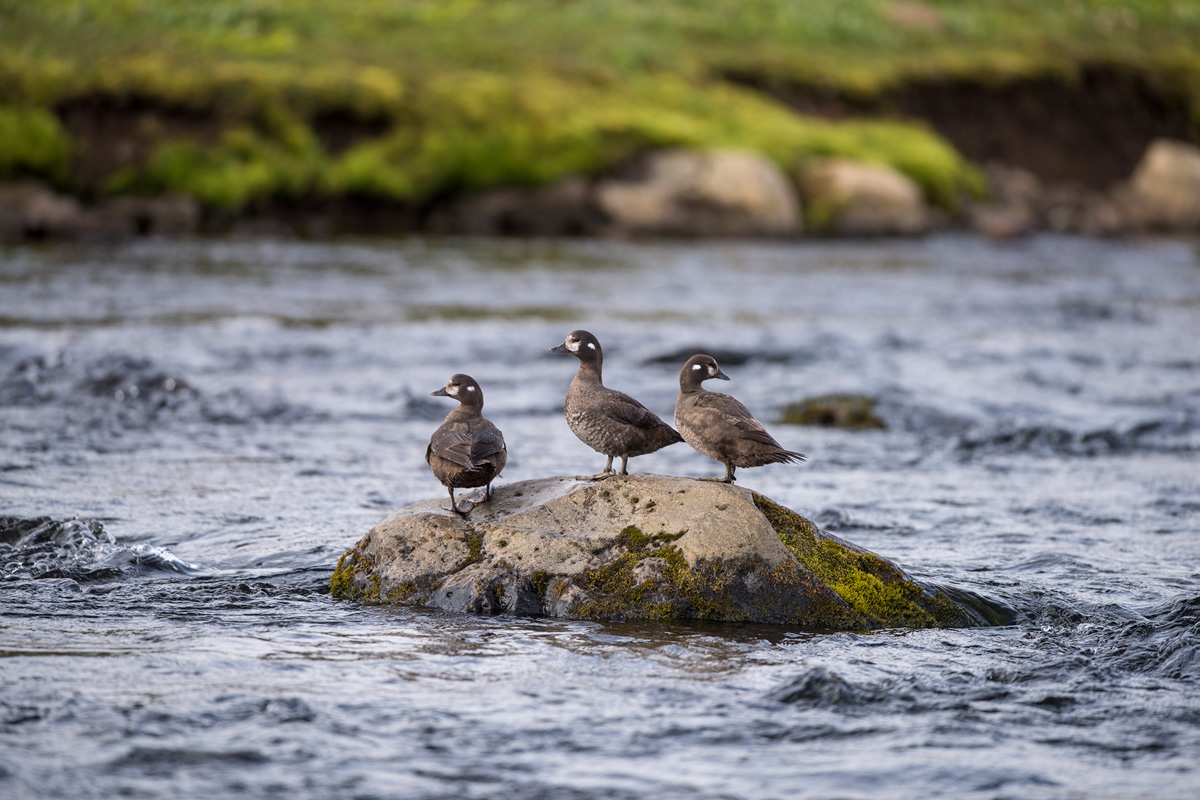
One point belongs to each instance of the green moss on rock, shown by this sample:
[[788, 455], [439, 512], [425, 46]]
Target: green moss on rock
[[34, 143], [874, 587], [726, 590], [354, 578], [341, 583], [849, 411]]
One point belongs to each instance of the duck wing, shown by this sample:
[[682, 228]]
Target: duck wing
[[622, 408], [470, 447], [732, 412]]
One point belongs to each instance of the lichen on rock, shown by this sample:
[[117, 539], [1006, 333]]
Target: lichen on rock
[[640, 547]]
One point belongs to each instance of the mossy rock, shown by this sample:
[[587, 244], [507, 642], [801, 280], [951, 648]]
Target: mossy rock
[[642, 547], [849, 411]]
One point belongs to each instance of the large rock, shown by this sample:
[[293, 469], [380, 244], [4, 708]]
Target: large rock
[[29, 209], [563, 208], [167, 215], [1011, 208], [641, 547], [32, 210], [1165, 187], [853, 198], [701, 193]]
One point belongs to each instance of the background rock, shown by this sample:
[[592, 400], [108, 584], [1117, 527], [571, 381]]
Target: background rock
[[852, 198], [29, 209], [169, 215], [563, 208], [1165, 186], [701, 193]]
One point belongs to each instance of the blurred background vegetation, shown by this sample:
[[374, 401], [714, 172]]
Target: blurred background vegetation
[[237, 101]]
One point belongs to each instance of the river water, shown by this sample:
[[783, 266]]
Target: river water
[[191, 433]]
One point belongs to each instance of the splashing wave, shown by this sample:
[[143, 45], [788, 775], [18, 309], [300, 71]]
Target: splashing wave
[[81, 549]]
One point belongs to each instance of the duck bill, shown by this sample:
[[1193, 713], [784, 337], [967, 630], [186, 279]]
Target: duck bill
[[440, 393], [721, 376], [562, 348]]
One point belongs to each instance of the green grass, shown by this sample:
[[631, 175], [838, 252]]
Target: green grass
[[34, 143], [464, 94]]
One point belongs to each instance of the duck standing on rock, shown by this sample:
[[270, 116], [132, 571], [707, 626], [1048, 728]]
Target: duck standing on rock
[[719, 426], [467, 451], [608, 421]]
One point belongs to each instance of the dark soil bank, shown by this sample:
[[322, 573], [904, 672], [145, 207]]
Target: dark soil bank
[[1090, 131]]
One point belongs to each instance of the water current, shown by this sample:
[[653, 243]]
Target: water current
[[192, 432]]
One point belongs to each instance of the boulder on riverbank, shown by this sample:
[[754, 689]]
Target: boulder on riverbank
[[1165, 187], [30, 210], [852, 198], [682, 192], [641, 547]]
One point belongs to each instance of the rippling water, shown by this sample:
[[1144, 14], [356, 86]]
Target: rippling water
[[192, 433]]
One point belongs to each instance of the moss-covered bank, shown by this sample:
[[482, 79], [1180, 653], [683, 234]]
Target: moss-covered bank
[[247, 104]]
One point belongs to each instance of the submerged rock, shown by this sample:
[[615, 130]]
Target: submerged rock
[[850, 411], [641, 547]]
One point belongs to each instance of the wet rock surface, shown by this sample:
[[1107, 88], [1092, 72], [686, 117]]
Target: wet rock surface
[[641, 547]]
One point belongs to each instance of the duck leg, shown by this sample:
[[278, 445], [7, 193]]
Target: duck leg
[[624, 465], [728, 476]]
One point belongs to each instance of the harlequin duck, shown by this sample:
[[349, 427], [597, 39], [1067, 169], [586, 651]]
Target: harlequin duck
[[467, 450], [721, 427], [608, 421]]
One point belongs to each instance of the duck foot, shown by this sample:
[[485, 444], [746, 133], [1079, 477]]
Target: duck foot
[[607, 472], [729, 469]]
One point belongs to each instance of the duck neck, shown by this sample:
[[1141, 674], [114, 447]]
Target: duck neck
[[590, 370], [465, 410]]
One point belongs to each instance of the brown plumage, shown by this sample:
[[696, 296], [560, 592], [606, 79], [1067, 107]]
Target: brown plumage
[[719, 426], [467, 451], [608, 421]]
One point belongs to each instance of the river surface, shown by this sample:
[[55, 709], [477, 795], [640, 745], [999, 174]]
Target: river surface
[[191, 434]]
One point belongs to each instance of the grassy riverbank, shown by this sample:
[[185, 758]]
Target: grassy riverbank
[[237, 102]]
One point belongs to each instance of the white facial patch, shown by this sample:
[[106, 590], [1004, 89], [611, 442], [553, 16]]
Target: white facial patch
[[712, 369], [573, 345], [470, 388], [591, 346], [696, 366], [451, 390]]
